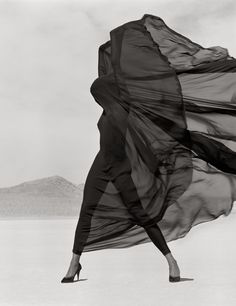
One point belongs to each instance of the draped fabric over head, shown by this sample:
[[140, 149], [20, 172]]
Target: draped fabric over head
[[170, 106]]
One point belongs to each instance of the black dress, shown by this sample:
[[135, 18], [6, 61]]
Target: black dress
[[169, 122]]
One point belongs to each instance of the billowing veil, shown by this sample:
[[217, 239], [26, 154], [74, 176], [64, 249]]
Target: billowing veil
[[169, 105]]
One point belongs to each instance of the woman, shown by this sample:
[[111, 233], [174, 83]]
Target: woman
[[167, 157]]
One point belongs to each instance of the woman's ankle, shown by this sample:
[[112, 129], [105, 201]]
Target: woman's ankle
[[76, 257], [170, 258]]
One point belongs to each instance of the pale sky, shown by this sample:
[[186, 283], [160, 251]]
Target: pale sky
[[48, 60]]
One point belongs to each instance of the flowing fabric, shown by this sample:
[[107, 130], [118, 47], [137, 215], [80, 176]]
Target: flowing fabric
[[169, 122]]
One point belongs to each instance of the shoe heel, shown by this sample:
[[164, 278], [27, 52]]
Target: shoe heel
[[78, 271]]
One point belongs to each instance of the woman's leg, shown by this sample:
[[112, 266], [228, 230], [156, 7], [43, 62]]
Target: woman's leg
[[95, 182], [111, 148], [120, 174], [158, 239]]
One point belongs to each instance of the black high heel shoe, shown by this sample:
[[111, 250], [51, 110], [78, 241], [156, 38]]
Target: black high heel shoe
[[71, 278], [174, 279]]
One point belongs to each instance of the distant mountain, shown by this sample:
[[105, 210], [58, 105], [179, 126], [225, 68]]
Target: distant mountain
[[47, 197]]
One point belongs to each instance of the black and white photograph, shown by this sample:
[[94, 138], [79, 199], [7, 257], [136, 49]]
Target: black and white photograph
[[117, 152]]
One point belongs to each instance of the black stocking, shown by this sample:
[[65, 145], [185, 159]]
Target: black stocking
[[157, 238]]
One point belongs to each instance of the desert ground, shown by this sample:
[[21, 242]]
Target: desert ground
[[35, 254]]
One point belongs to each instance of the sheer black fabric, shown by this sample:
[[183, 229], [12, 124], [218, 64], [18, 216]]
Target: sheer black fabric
[[167, 137]]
